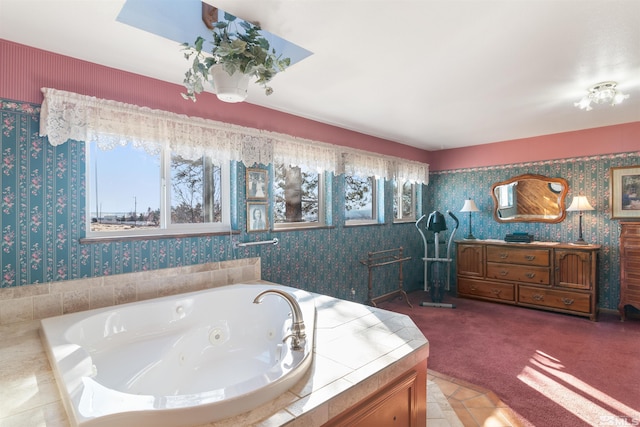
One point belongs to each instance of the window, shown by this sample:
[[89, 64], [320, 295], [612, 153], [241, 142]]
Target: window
[[195, 191], [131, 192], [505, 195], [360, 197], [404, 202], [298, 197]]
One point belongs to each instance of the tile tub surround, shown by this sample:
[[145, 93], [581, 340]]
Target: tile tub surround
[[33, 302], [359, 349]]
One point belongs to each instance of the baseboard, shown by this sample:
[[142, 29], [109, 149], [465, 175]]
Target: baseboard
[[631, 313]]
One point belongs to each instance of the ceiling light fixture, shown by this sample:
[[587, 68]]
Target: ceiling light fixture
[[601, 93]]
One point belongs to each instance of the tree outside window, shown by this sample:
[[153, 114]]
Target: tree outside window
[[195, 191], [404, 201], [297, 192], [131, 191], [360, 199]]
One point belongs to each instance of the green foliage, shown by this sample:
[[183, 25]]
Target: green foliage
[[245, 50]]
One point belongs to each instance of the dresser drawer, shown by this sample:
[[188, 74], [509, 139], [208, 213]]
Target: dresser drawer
[[519, 273], [481, 288], [523, 256], [565, 300], [631, 266], [630, 275], [630, 232], [632, 293], [550, 276]]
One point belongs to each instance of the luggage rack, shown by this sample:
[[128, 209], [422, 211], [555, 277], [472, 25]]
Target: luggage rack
[[382, 258]]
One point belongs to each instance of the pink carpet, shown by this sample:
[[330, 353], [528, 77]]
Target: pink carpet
[[551, 369]]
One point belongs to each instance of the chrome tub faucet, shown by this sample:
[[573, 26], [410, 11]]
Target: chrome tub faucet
[[298, 334]]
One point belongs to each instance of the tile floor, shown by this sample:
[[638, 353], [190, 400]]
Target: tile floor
[[473, 406], [440, 413]]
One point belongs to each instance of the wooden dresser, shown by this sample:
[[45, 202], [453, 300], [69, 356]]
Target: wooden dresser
[[629, 266], [559, 277]]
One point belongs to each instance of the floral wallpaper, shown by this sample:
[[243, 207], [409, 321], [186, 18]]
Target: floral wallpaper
[[43, 220], [587, 175]]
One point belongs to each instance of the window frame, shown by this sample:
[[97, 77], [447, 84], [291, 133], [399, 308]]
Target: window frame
[[322, 206], [166, 228], [506, 196], [375, 201], [397, 198]]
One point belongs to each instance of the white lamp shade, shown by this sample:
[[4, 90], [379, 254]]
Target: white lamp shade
[[580, 203], [469, 206]]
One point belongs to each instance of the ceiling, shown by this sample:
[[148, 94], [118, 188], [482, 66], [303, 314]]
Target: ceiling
[[433, 74]]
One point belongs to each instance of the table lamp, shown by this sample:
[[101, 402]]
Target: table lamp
[[580, 204], [469, 206]]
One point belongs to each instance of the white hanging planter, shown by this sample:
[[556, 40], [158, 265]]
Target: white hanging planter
[[229, 88]]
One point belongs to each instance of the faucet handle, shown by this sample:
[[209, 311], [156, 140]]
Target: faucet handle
[[296, 343]]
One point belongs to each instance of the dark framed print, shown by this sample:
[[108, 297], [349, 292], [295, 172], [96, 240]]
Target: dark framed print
[[257, 183], [257, 216], [624, 186]]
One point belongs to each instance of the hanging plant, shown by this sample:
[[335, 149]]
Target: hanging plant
[[245, 51]]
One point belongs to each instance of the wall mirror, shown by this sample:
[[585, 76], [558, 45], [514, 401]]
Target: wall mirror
[[530, 198]]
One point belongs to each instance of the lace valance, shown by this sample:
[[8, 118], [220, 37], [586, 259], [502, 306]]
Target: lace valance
[[314, 155], [367, 164], [407, 170], [66, 115]]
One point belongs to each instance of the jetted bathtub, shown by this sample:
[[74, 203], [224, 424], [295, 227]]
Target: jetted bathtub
[[182, 360]]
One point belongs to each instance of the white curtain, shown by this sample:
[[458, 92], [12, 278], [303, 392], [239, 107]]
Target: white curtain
[[66, 115], [314, 155], [407, 170], [367, 164]]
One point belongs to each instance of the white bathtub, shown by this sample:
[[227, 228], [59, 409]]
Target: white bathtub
[[182, 360]]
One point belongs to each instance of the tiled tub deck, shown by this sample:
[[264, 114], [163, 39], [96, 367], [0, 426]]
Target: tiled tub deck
[[359, 349]]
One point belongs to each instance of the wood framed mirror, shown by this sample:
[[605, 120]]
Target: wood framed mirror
[[530, 198]]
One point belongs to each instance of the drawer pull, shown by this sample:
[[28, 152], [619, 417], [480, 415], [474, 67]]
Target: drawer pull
[[504, 255], [567, 301], [538, 297], [530, 275], [473, 288], [496, 292], [530, 257], [504, 272]]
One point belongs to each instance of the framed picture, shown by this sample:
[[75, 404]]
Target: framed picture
[[257, 184], [624, 188], [257, 216]]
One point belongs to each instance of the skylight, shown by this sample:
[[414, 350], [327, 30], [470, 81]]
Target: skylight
[[181, 21]]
